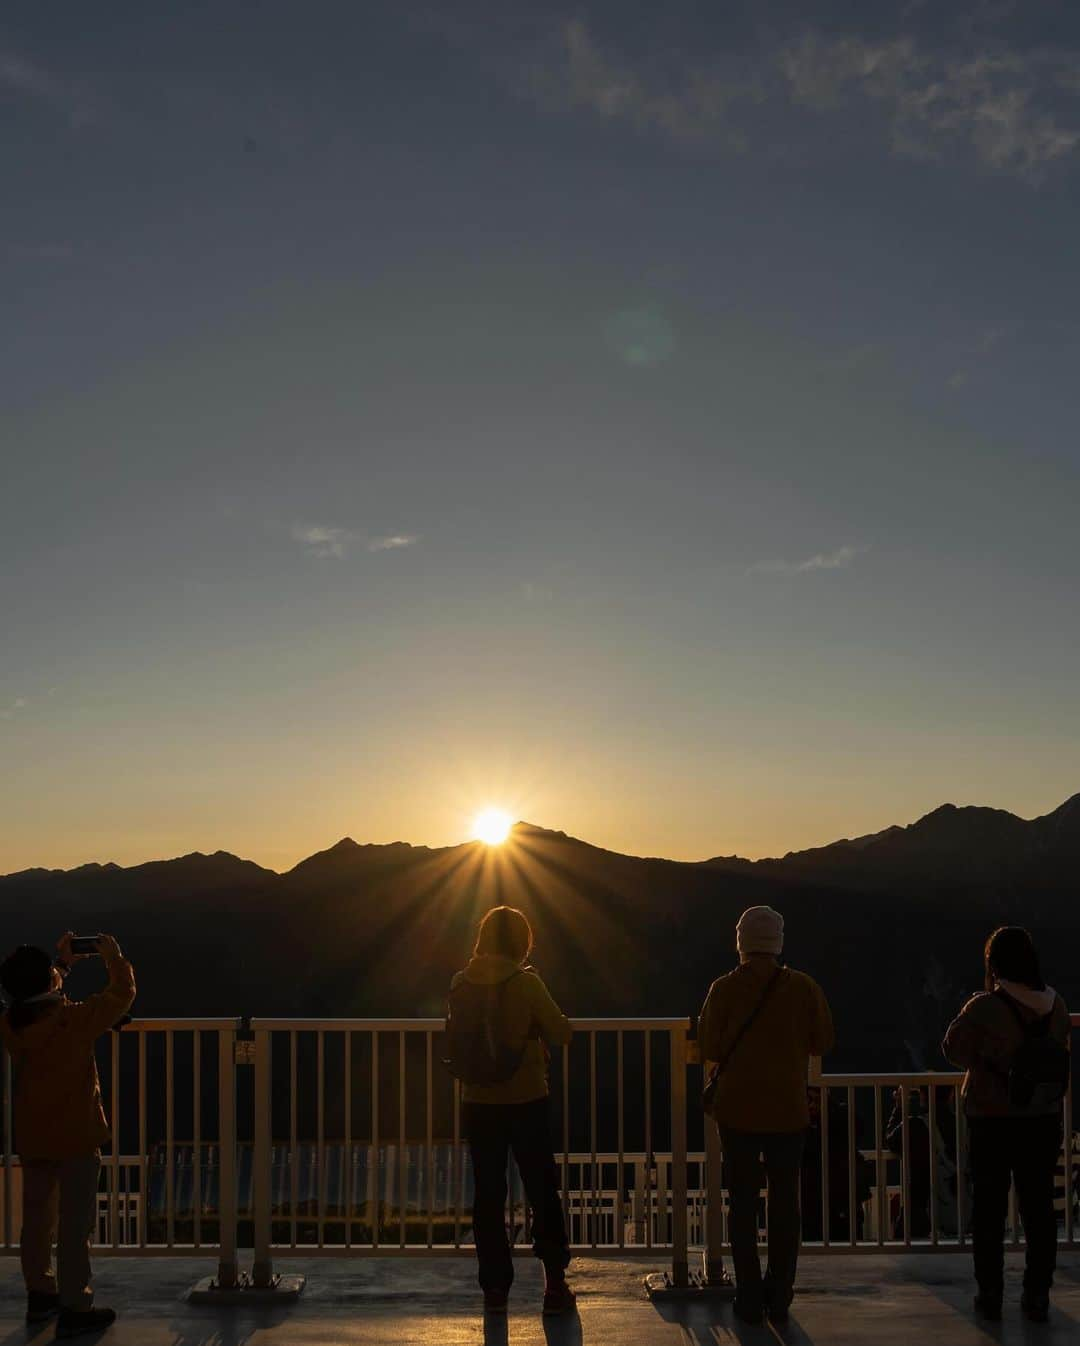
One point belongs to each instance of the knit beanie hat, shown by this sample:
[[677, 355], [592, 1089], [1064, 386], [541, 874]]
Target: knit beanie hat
[[760, 930]]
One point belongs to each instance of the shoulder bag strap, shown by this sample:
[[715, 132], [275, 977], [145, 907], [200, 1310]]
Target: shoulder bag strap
[[721, 1066]]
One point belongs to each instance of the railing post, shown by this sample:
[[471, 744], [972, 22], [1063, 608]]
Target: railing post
[[226, 1277], [680, 1267], [714, 1206], [262, 1272]]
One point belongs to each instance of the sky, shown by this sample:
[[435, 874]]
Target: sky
[[657, 421]]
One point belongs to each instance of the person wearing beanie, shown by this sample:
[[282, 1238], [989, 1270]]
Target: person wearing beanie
[[758, 1029]]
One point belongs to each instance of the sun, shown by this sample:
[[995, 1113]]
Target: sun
[[492, 826]]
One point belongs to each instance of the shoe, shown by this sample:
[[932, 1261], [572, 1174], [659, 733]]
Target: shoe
[[747, 1313], [40, 1307], [495, 1301], [1035, 1308], [988, 1308], [558, 1299], [76, 1322]]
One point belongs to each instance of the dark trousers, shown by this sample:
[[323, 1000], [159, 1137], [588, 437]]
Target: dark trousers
[[1025, 1149], [59, 1204], [493, 1130], [743, 1170]]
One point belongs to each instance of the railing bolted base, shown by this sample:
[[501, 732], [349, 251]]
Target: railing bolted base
[[281, 1290], [711, 1282]]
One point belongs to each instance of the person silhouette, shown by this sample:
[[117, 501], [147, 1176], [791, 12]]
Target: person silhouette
[[758, 1029], [1011, 1041]]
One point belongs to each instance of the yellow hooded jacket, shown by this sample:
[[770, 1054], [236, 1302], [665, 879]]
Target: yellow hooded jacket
[[530, 1018]]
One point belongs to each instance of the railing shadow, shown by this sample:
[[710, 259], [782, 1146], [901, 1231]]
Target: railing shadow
[[228, 1329], [713, 1322]]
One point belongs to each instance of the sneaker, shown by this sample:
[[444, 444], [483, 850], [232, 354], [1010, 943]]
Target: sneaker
[[988, 1308], [1035, 1308], [76, 1322], [40, 1307], [747, 1313], [559, 1298], [495, 1301]]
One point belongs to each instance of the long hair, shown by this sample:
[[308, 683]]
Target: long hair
[[505, 931], [1010, 954]]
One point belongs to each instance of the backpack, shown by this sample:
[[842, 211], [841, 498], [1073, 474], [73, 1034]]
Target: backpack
[[1038, 1075], [474, 1054]]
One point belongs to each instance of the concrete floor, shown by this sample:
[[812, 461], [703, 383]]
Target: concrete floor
[[368, 1302]]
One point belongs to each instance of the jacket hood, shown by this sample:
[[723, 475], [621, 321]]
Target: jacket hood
[[39, 1032], [489, 969], [1042, 1002]]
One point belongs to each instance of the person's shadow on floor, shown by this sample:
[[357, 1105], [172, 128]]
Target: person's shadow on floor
[[496, 1329], [565, 1330]]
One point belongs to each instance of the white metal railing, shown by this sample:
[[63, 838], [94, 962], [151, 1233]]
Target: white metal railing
[[335, 1136], [155, 1078], [391, 1066]]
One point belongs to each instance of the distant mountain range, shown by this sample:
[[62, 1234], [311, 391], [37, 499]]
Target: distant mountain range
[[891, 924]]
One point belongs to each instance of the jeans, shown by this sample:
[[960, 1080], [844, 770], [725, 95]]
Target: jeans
[[493, 1130], [59, 1202], [1026, 1150], [743, 1153]]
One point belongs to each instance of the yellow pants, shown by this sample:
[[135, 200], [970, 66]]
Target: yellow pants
[[59, 1205]]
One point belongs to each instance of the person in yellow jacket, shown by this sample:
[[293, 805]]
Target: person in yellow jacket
[[761, 1024], [60, 1122], [513, 1115]]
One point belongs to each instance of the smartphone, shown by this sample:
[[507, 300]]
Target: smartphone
[[84, 943]]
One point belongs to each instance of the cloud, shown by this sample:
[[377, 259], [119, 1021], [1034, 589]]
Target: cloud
[[12, 709], [24, 79], [1006, 106], [392, 542], [833, 560], [324, 542], [1013, 109], [688, 103], [320, 541]]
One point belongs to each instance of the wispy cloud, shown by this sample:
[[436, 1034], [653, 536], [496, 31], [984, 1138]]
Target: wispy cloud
[[392, 542], [12, 708], [688, 103], [25, 79], [321, 541], [1011, 108], [1014, 110], [832, 560]]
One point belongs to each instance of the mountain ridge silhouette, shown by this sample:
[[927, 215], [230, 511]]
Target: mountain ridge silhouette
[[892, 924]]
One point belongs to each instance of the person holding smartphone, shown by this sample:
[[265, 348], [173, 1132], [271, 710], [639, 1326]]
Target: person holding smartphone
[[60, 1122]]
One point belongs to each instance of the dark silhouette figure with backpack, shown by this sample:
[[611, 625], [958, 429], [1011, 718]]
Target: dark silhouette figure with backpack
[[500, 1019], [1012, 1040]]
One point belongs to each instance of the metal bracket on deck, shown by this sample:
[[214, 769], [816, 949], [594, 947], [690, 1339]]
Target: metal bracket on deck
[[711, 1282], [281, 1290]]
